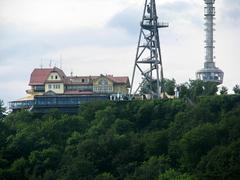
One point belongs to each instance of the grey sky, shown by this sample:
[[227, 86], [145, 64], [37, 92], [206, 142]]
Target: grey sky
[[94, 37]]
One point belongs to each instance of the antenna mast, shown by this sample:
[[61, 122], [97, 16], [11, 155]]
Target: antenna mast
[[210, 72], [60, 61], [148, 61]]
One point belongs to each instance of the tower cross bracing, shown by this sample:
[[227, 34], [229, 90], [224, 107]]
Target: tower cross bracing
[[148, 60]]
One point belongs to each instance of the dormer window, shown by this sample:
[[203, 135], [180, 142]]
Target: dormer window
[[56, 77], [51, 77], [83, 81]]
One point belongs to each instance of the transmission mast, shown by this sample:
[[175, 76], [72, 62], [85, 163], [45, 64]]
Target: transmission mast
[[210, 72], [148, 61]]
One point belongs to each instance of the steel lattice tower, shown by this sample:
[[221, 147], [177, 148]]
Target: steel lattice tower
[[210, 72], [148, 59]]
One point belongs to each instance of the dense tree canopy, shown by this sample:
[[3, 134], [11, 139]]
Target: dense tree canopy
[[160, 139]]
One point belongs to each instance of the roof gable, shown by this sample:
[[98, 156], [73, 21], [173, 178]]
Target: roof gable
[[40, 76], [102, 76], [117, 79]]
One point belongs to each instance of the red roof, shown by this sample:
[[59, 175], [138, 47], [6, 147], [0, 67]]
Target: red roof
[[123, 79], [39, 76]]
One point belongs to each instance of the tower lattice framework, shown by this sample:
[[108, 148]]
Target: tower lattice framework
[[148, 60]]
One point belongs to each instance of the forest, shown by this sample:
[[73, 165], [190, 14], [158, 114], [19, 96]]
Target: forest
[[196, 136]]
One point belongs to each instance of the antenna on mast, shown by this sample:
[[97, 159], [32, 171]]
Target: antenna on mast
[[60, 61], [41, 65], [50, 63], [55, 62]]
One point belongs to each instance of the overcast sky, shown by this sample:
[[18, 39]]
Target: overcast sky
[[95, 37]]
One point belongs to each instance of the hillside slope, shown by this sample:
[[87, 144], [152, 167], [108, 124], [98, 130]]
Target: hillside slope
[[139, 140]]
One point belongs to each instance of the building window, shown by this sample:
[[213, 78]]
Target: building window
[[39, 88], [103, 82], [51, 77], [56, 86], [49, 86], [82, 80], [56, 77]]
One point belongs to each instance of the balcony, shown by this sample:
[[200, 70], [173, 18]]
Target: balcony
[[149, 26], [15, 105]]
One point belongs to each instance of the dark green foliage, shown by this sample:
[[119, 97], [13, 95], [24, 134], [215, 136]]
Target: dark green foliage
[[123, 126], [151, 168], [196, 88], [2, 109], [17, 170], [173, 174], [196, 143], [224, 90], [169, 86], [77, 168], [210, 88], [223, 162], [104, 176], [236, 89], [184, 91], [201, 88], [161, 139], [156, 143]]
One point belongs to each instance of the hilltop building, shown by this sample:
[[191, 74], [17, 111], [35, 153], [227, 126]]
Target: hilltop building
[[51, 88]]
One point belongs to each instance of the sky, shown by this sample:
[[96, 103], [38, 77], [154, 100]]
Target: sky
[[100, 37]]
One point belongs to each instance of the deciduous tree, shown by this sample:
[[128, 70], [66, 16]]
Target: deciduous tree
[[236, 89], [224, 90]]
